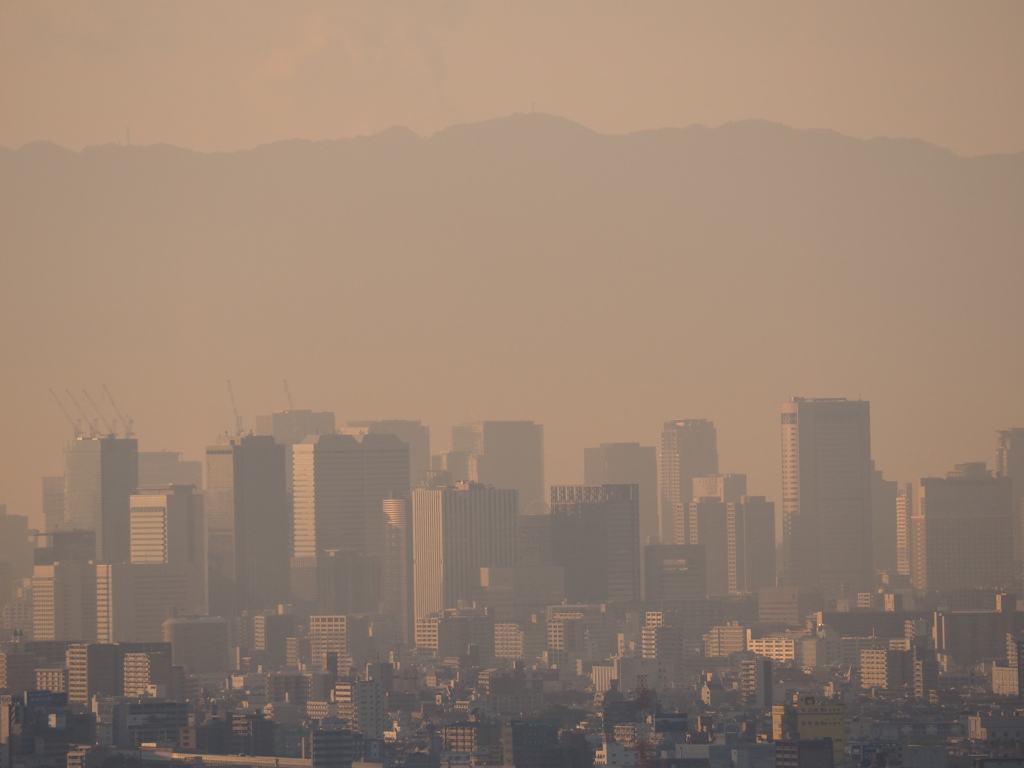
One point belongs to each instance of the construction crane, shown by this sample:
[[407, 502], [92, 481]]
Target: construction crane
[[288, 392], [76, 426], [238, 419], [94, 430], [110, 428], [127, 421]]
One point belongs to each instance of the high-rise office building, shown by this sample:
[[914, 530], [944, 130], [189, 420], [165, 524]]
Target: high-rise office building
[[396, 589], [249, 524], [340, 484], [689, 449], [413, 434], [290, 427], [752, 545], [53, 502], [167, 572], [339, 487], [456, 532], [15, 546], [169, 468], [628, 464], [904, 540], [737, 532], [595, 537], [826, 495], [962, 531], [64, 601], [504, 454], [674, 573], [100, 474], [1010, 463], [884, 495], [709, 527]]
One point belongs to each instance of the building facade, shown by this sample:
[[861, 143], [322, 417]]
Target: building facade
[[826, 495]]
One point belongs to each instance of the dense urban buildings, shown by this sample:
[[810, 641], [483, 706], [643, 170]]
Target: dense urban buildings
[[305, 604]]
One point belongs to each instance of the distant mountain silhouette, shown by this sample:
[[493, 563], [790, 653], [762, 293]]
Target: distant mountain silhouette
[[524, 267]]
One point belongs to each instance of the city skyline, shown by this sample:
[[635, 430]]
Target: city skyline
[[511, 384]]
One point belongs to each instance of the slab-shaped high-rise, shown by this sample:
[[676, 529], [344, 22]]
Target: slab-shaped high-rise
[[826, 495], [962, 531], [595, 537], [457, 531], [628, 464], [339, 486], [689, 449], [248, 524], [100, 475], [504, 454]]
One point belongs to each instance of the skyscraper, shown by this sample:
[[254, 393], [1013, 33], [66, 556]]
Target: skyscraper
[[339, 486], [396, 592], [289, 427], [413, 434], [456, 532], [1010, 463], [826, 494], [689, 449], [53, 503], [962, 531], [504, 454], [628, 464], [249, 524], [595, 537], [100, 474]]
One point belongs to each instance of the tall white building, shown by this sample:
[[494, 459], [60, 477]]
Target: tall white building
[[456, 532], [826, 495]]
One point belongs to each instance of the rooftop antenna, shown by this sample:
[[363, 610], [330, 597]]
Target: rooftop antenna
[[238, 419], [76, 426], [110, 428], [288, 392], [94, 430], [127, 421]]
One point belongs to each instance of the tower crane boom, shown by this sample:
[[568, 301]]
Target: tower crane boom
[[76, 427]]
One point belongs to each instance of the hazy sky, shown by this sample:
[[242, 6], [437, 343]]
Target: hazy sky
[[239, 73]]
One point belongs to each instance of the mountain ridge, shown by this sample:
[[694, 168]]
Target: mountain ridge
[[519, 268]]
